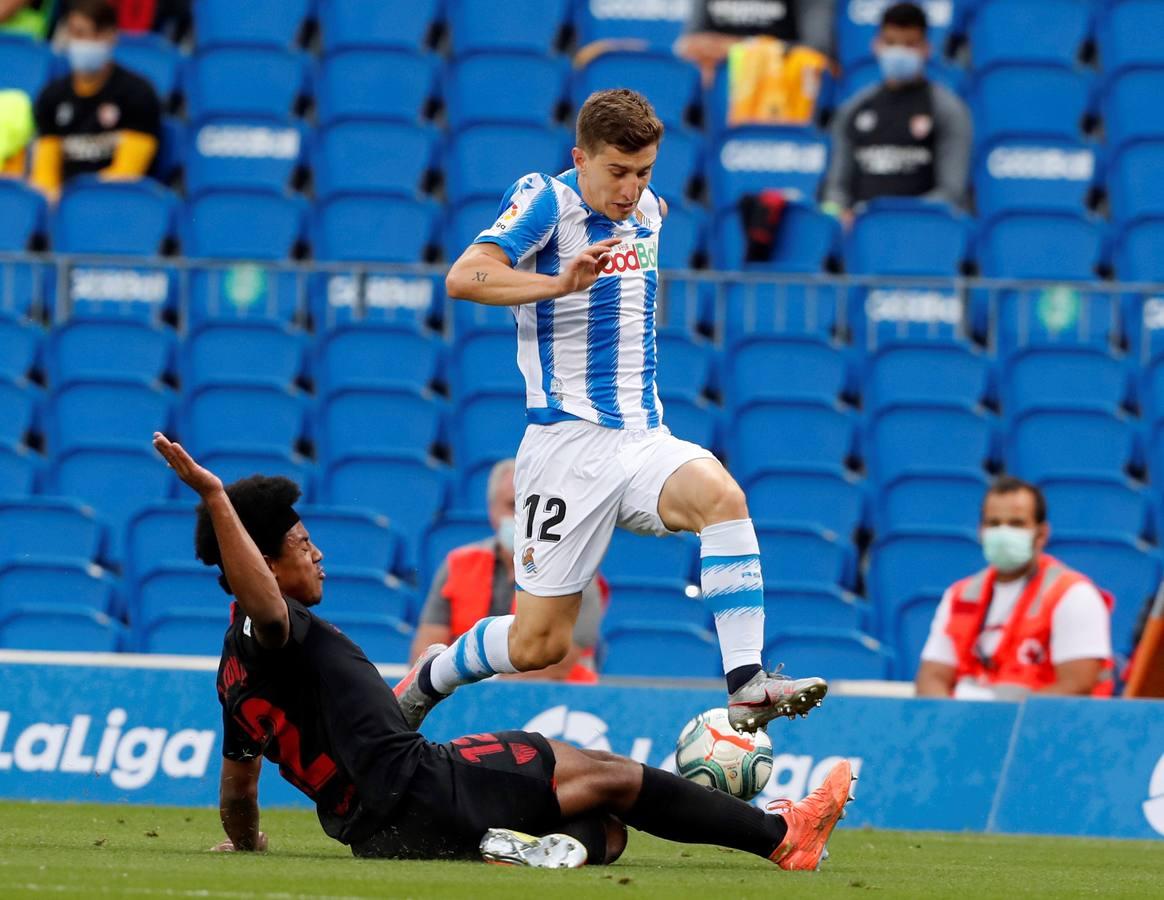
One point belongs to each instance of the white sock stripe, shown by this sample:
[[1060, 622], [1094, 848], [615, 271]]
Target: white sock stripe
[[497, 645], [732, 577], [734, 538]]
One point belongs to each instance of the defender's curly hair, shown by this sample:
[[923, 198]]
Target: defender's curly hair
[[264, 505]]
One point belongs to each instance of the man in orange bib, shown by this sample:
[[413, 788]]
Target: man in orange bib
[[1026, 622]]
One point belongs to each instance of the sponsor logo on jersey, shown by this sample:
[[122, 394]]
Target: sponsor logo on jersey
[[108, 114], [633, 256]]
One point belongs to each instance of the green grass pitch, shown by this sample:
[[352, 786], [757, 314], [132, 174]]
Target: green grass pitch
[[115, 851]]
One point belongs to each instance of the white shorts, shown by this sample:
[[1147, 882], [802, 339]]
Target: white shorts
[[575, 481]]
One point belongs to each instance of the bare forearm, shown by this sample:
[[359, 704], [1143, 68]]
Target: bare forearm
[[483, 279], [240, 820], [930, 684]]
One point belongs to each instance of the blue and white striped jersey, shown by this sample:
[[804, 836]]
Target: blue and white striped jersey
[[591, 354]]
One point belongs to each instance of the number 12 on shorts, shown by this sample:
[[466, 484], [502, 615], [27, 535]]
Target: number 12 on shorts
[[555, 509]]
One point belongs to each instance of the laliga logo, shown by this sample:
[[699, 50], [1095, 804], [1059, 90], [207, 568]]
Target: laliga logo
[[587, 731], [1154, 805], [627, 257]]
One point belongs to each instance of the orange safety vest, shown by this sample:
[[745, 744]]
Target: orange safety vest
[[1023, 655], [469, 590]]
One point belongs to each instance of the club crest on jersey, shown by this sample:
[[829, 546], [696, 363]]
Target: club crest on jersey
[[633, 256], [527, 561]]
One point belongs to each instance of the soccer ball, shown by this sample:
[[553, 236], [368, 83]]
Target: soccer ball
[[711, 752]]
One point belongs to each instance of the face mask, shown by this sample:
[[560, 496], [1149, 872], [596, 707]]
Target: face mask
[[900, 63], [1008, 549], [505, 533], [88, 57]]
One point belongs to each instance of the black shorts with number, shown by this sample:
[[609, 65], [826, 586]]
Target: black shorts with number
[[504, 779]]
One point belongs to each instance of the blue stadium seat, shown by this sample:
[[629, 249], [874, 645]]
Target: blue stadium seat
[[1123, 105], [1108, 505], [790, 309], [908, 627], [659, 650], [670, 84], [684, 363], [159, 534], [485, 360], [358, 591], [857, 25], [1050, 376], [373, 23], [1130, 570], [1033, 176], [383, 639], [171, 156], [939, 497], [351, 536], [805, 239], [916, 562], [145, 217], [632, 556], [471, 318], [751, 159], [449, 532], [88, 348], [1046, 246], [1139, 251], [488, 426], [1151, 384], [257, 23], [373, 158], [483, 161], [94, 412], [535, 87], [375, 85], [694, 419], [531, 26], [816, 605], [1000, 32], [1068, 439], [805, 553], [683, 305], [1133, 189], [25, 64], [357, 420], [1059, 315], [20, 344], [772, 367], [677, 167], [241, 154], [390, 229], [464, 222], [1036, 101], [48, 526], [237, 352], [241, 225], [153, 58], [371, 354], [177, 588], [242, 417], [233, 464], [834, 654], [769, 432], [1127, 32], [60, 627], [45, 580], [658, 24], [20, 402], [901, 437], [190, 631], [18, 469], [904, 236], [642, 599], [685, 237], [911, 371], [822, 496], [22, 213], [414, 302], [247, 82]]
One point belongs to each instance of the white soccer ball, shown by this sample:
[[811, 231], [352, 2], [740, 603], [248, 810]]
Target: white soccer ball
[[711, 752]]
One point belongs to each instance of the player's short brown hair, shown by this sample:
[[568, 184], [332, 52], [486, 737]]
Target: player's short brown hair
[[100, 12], [621, 118], [1008, 484]]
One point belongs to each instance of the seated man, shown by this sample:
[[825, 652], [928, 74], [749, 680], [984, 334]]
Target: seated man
[[101, 118], [476, 581], [1026, 622], [295, 690]]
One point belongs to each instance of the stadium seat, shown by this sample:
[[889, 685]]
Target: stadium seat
[[535, 87], [805, 240], [485, 360], [1043, 246], [85, 349], [684, 306], [805, 553], [257, 23], [834, 654], [1130, 570], [357, 420], [236, 352], [373, 23], [153, 58], [473, 484], [48, 526], [392, 85], [232, 464], [754, 158], [176, 588], [159, 534], [1069, 439], [676, 169], [821, 496], [60, 627], [145, 217], [372, 354], [196, 632], [908, 627], [659, 25], [769, 432], [354, 158], [1137, 253], [18, 469], [772, 367], [355, 591], [794, 309], [1123, 104], [632, 556], [896, 236], [1051, 376], [693, 419], [816, 605], [912, 371], [412, 301], [391, 229], [684, 363], [1000, 31], [659, 650], [241, 225], [22, 213], [939, 497], [242, 417], [464, 222], [1127, 33], [1133, 190], [857, 25], [641, 599], [1105, 505], [351, 536], [922, 561], [483, 161], [472, 318], [171, 156], [242, 154], [383, 639], [20, 402], [488, 425], [246, 82], [1033, 176], [94, 412], [450, 531], [45, 580], [20, 344], [25, 64], [1032, 101], [531, 26], [901, 437], [1059, 315], [685, 237], [670, 83]]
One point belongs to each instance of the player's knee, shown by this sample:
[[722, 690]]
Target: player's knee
[[622, 779], [724, 500]]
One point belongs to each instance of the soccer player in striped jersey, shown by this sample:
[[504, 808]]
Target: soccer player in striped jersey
[[576, 258]]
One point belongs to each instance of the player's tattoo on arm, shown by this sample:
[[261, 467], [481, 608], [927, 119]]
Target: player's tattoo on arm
[[480, 276]]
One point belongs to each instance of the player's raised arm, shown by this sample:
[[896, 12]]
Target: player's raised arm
[[250, 578], [238, 806], [484, 274]]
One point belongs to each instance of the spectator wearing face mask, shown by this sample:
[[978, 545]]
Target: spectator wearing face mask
[[100, 119], [905, 137], [477, 580], [1026, 623]]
